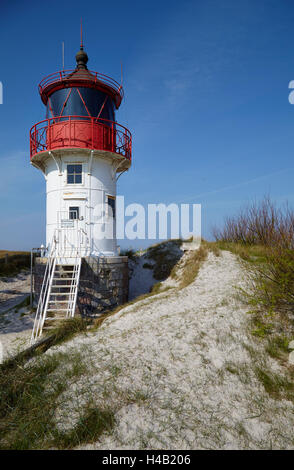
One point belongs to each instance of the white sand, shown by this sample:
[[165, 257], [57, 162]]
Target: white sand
[[178, 370], [13, 290], [15, 326]]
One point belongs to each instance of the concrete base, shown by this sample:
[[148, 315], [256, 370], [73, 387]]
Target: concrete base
[[104, 283]]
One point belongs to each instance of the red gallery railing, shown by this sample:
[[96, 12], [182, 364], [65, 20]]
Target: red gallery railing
[[87, 76], [80, 132]]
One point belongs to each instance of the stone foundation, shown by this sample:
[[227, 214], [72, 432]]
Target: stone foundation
[[104, 283]]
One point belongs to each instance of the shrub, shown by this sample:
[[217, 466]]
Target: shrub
[[259, 224], [14, 263], [165, 256], [274, 283], [264, 234], [130, 253], [147, 266]]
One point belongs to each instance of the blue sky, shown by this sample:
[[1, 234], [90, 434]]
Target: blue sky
[[206, 98]]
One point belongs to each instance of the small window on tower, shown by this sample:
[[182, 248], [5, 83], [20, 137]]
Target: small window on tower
[[74, 174], [111, 206], [74, 213]]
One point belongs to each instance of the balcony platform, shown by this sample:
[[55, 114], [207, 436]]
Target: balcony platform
[[80, 132]]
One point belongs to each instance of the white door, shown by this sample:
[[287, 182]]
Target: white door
[[73, 237]]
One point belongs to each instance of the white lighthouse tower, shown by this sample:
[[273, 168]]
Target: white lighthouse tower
[[81, 150]]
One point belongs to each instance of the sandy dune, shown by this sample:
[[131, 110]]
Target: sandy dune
[[15, 324], [178, 369]]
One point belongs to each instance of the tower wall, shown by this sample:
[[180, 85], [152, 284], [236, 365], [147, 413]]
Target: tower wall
[[91, 197]]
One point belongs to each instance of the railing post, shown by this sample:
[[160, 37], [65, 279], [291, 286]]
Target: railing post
[[92, 125], [113, 142], [49, 135], [69, 131]]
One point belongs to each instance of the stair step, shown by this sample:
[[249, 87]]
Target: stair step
[[55, 318], [46, 327], [58, 301], [59, 293], [63, 279], [61, 285], [65, 265], [57, 310], [64, 272], [51, 299]]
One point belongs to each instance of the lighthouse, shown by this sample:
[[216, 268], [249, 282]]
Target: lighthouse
[[81, 150]]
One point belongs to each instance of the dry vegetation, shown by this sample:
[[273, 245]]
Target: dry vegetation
[[12, 262], [262, 224], [190, 268], [263, 235]]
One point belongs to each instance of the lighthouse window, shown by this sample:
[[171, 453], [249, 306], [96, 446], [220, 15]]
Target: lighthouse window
[[111, 206], [74, 213], [74, 174]]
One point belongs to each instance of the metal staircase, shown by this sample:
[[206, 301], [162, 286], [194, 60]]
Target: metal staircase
[[58, 296]]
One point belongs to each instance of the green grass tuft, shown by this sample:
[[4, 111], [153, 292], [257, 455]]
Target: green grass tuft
[[277, 347], [89, 428], [28, 398], [68, 328], [275, 385]]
